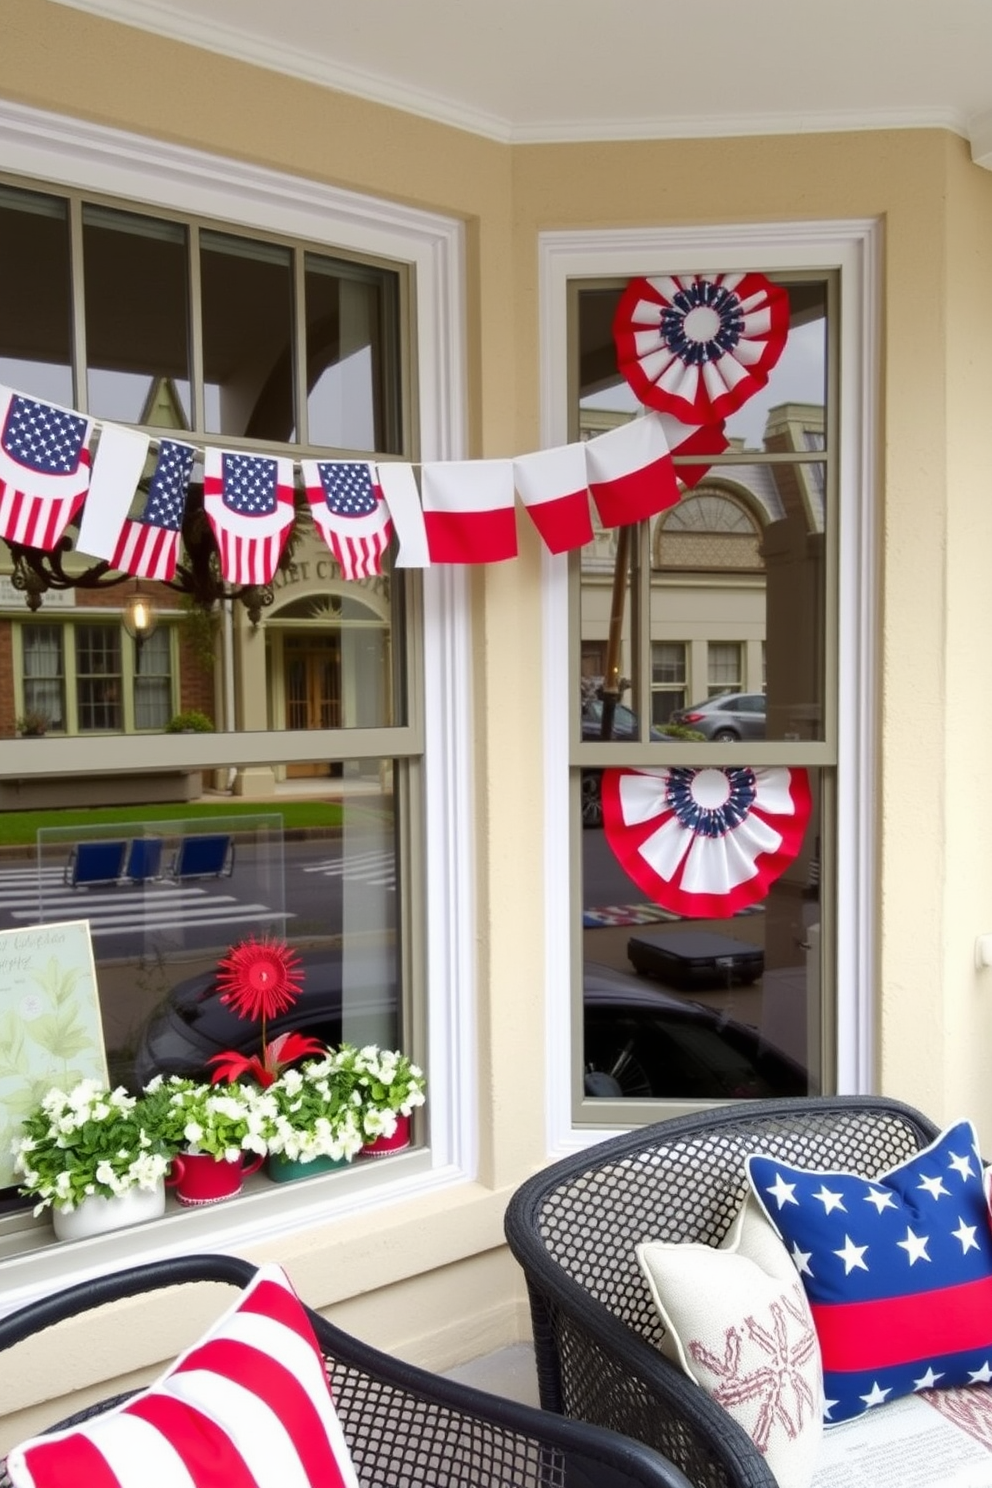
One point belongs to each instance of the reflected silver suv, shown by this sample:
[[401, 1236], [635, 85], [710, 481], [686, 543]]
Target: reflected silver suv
[[727, 718]]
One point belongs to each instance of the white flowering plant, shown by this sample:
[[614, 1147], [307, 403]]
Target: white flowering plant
[[89, 1142], [193, 1116], [308, 1112], [383, 1084]]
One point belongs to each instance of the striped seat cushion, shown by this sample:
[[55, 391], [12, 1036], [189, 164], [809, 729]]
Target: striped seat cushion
[[247, 1407]]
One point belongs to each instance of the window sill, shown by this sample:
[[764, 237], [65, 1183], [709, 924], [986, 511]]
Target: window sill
[[33, 1263]]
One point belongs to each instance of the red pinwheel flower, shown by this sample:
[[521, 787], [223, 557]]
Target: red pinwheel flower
[[264, 1068], [700, 345], [705, 843], [259, 978]]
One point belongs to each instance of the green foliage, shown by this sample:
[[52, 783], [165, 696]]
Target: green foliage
[[33, 724], [220, 1120], [387, 1084], [679, 731], [88, 1141], [192, 721], [21, 827], [309, 1112]]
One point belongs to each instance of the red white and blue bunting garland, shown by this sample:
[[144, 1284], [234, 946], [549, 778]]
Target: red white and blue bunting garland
[[699, 345], [461, 511], [705, 842]]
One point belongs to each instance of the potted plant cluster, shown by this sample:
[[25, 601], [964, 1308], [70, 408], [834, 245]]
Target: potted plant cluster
[[97, 1158], [190, 721], [296, 1105], [385, 1088]]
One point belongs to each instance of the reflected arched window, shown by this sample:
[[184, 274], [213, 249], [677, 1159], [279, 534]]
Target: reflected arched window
[[708, 529]]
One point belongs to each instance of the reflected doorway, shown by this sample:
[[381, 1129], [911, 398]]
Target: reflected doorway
[[313, 692]]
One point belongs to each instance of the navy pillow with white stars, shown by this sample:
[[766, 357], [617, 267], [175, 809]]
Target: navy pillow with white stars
[[897, 1269]]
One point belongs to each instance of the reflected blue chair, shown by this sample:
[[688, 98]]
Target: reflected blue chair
[[208, 856], [144, 859], [92, 863]]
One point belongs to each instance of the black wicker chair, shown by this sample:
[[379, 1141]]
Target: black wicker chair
[[574, 1227], [404, 1427]]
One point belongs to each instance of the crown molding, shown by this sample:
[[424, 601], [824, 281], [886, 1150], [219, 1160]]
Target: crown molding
[[161, 18]]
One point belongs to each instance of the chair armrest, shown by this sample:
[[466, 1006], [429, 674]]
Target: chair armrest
[[402, 1424]]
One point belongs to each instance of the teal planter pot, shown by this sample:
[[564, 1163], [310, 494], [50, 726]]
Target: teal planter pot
[[284, 1170]]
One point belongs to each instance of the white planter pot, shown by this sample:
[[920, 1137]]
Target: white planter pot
[[96, 1215]]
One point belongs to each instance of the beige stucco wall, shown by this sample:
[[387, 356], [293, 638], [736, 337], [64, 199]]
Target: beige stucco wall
[[430, 1278]]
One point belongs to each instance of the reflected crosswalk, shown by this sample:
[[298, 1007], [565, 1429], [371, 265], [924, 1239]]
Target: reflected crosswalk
[[368, 867], [39, 896]]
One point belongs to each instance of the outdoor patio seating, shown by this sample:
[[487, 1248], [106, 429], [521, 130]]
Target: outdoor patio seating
[[402, 1425], [209, 855], [575, 1226], [93, 863], [144, 859]]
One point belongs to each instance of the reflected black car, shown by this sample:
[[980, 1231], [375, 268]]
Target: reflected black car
[[643, 1043], [625, 727], [193, 1023], [639, 1042]]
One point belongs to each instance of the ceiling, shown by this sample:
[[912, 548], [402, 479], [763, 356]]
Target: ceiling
[[544, 70]]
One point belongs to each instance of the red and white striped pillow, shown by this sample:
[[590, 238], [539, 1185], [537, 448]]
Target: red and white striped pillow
[[247, 1407]]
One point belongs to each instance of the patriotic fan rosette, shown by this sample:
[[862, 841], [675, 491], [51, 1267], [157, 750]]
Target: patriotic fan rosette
[[705, 842], [699, 345]]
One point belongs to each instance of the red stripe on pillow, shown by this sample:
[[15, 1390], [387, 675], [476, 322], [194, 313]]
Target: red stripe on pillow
[[209, 1454], [898, 1330], [69, 1463], [279, 1389]]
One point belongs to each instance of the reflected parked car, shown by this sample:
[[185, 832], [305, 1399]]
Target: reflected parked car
[[192, 1023], [639, 1041], [625, 726], [727, 718], [644, 1043]]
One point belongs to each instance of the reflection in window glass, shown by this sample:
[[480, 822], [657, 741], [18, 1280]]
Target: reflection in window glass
[[35, 303], [98, 678], [351, 329], [708, 1009], [710, 619], [153, 680], [246, 290], [44, 675], [316, 867], [137, 318]]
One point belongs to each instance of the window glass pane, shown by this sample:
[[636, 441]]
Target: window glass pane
[[352, 356], [701, 1009], [247, 305], [137, 318], [667, 679], [35, 296], [724, 667], [98, 677], [153, 680], [44, 678], [317, 867]]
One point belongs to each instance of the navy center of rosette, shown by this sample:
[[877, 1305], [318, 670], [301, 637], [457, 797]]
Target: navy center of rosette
[[701, 296], [711, 821]]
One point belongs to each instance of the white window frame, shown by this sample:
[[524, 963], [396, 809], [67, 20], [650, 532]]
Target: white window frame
[[853, 247], [70, 152]]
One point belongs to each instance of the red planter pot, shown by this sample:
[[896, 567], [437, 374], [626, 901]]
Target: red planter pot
[[200, 1178], [383, 1146]]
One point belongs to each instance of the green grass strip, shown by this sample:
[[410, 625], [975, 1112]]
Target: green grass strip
[[20, 827]]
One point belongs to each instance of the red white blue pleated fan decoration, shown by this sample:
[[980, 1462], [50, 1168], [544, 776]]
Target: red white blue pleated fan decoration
[[705, 842], [700, 345]]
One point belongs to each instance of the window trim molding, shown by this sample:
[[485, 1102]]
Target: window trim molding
[[77, 155], [854, 247]]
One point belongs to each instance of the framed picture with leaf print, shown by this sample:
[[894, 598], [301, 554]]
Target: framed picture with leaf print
[[51, 1032]]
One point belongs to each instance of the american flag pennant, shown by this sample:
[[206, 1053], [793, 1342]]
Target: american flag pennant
[[349, 512], [44, 469], [148, 546], [248, 500], [897, 1269]]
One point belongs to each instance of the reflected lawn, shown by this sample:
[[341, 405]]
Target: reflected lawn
[[20, 827]]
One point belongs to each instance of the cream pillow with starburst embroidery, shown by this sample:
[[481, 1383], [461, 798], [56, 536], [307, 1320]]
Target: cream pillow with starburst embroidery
[[737, 1321]]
